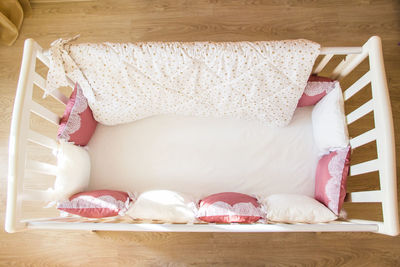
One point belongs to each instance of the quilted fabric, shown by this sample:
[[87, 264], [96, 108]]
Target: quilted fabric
[[244, 80]]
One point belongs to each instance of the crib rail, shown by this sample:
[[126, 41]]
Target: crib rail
[[383, 134], [246, 228], [385, 137]]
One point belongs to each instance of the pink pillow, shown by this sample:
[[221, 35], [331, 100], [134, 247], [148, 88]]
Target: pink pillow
[[331, 177], [97, 204], [229, 207], [317, 87], [77, 124]]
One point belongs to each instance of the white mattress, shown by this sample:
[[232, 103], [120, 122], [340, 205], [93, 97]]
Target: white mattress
[[201, 156]]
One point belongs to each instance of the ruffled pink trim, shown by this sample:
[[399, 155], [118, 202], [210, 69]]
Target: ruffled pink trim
[[220, 208], [316, 88], [334, 185], [73, 123], [89, 202]]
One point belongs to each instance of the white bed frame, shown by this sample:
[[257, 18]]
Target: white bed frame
[[383, 133]]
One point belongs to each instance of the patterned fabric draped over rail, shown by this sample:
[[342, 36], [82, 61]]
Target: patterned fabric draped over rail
[[244, 80]]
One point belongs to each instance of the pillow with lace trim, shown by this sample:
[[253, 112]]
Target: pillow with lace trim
[[97, 204], [77, 125], [317, 87], [229, 207], [331, 177]]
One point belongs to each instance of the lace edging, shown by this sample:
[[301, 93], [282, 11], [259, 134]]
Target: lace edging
[[333, 186], [74, 121], [221, 208], [90, 202], [316, 88]]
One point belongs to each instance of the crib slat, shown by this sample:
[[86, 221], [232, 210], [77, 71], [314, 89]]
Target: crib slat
[[365, 167], [43, 58], [363, 139], [322, 63], [347, 65], [357, 86], [41, 167], [35, 195], [354, 62], [40, 55], [44, 113], [365, 196], [340, 67], [42, 140], [39, 81], [360, 112]]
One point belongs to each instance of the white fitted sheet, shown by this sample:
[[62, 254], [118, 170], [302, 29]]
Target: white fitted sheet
[[201, 156]]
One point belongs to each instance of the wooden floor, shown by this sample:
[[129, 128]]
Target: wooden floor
[[327, 22]]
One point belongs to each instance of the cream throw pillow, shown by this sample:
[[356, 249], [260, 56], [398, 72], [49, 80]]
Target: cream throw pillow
[[163, 205], [291, 208], [73, 171], [329, 122]]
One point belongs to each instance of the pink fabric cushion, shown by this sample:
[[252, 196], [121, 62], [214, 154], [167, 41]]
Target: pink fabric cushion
[[97, 204], [229, 207], [317, 87], [331, 177], [77, 124]]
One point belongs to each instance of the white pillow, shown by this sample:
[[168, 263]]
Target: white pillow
[[329, 122], [291, 208], [73, 171], [164, 205]]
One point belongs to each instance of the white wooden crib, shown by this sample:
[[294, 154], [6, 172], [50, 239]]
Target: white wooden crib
[[20, 195]]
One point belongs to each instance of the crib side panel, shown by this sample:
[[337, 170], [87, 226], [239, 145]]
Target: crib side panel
[[20, 165], [17, 142], [383, 133]]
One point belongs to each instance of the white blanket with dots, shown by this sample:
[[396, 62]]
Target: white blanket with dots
[[244, 80]]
